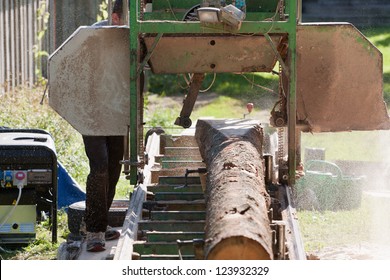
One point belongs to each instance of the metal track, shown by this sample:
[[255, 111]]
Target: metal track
[[168, 212], [173, 215]]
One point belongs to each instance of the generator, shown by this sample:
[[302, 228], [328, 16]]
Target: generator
[[28, 184]]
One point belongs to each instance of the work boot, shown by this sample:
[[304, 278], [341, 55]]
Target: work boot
[[111, 233], [95, 241]]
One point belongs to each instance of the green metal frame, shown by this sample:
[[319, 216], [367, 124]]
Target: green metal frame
[[161, 27]]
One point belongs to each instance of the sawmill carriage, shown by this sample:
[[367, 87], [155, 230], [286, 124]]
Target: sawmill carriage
[[226, 190]]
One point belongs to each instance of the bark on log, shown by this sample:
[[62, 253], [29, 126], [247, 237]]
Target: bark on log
[[237, 223]]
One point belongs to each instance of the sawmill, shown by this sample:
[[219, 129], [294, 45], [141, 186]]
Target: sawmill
[[221, 188]]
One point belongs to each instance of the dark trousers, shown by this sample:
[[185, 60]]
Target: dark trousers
[[104, 154]]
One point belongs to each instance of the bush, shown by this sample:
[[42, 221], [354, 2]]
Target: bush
[[22, 109]]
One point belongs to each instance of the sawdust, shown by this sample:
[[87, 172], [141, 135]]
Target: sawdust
[[176, 101], [361, 251]]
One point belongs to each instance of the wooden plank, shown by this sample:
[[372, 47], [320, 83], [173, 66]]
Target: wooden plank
[[30, 43], [175, 188], [179, 180], [2, 52], [19, 33], [17, 42], [180, 151], [158, 236], [167, 257], [177, 141], [24, 42], [157, 174], [198, 205], [12, 43], [193, 164], [171, 225], [187, 196], [178, 215], [159, 248], [163, 158], [7, 45]]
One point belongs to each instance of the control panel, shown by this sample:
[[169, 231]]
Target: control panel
[[25, 178]]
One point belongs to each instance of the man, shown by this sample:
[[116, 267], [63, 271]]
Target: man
[[104, 154]]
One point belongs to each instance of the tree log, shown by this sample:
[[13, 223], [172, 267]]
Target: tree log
[[237, 223]]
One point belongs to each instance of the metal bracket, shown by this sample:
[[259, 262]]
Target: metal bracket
[[198, 245], [277, 54], [189, 171], [130, 163], [188, 104], [280, 239], [149, 54]]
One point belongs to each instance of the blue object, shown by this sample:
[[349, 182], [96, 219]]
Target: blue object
[[69, 191], [240, 4], [8, 177]]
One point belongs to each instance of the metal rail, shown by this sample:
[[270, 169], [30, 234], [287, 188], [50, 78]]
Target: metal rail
[[167, 213]]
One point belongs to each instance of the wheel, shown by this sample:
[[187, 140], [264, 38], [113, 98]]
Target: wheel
[[116, 215], [192, 14], [186, 122]]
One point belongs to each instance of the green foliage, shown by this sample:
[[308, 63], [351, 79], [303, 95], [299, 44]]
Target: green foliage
[[380, 37], [22, 109], [103, 13], [164, 84], [162, 118], [235, 85]]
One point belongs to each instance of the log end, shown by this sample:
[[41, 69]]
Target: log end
[[238, 248]]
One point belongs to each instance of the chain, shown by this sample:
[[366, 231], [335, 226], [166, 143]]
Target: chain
[[141, 130], [140, 105], [142, 9], [281, 10], [282, 98]]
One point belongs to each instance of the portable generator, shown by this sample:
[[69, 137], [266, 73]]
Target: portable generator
[[28, 179]]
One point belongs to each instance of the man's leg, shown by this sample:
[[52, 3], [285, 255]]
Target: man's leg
[[115, 154], [97, 183]]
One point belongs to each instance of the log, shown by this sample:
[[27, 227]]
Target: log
[[237, 203]]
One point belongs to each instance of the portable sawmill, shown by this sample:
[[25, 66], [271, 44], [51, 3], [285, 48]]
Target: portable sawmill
[[224, 192]]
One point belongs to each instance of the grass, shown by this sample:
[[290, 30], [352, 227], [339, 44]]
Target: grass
[[368, 224], [356, 145], [323, 229], [222, 107], [380, 37]]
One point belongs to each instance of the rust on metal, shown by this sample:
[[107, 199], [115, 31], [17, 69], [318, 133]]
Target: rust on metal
[[209, 54], [339, 80]]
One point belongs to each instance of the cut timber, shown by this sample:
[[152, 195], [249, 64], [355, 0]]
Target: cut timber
[[237, 223]]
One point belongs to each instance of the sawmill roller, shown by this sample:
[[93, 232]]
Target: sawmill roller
[[208, 198]]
